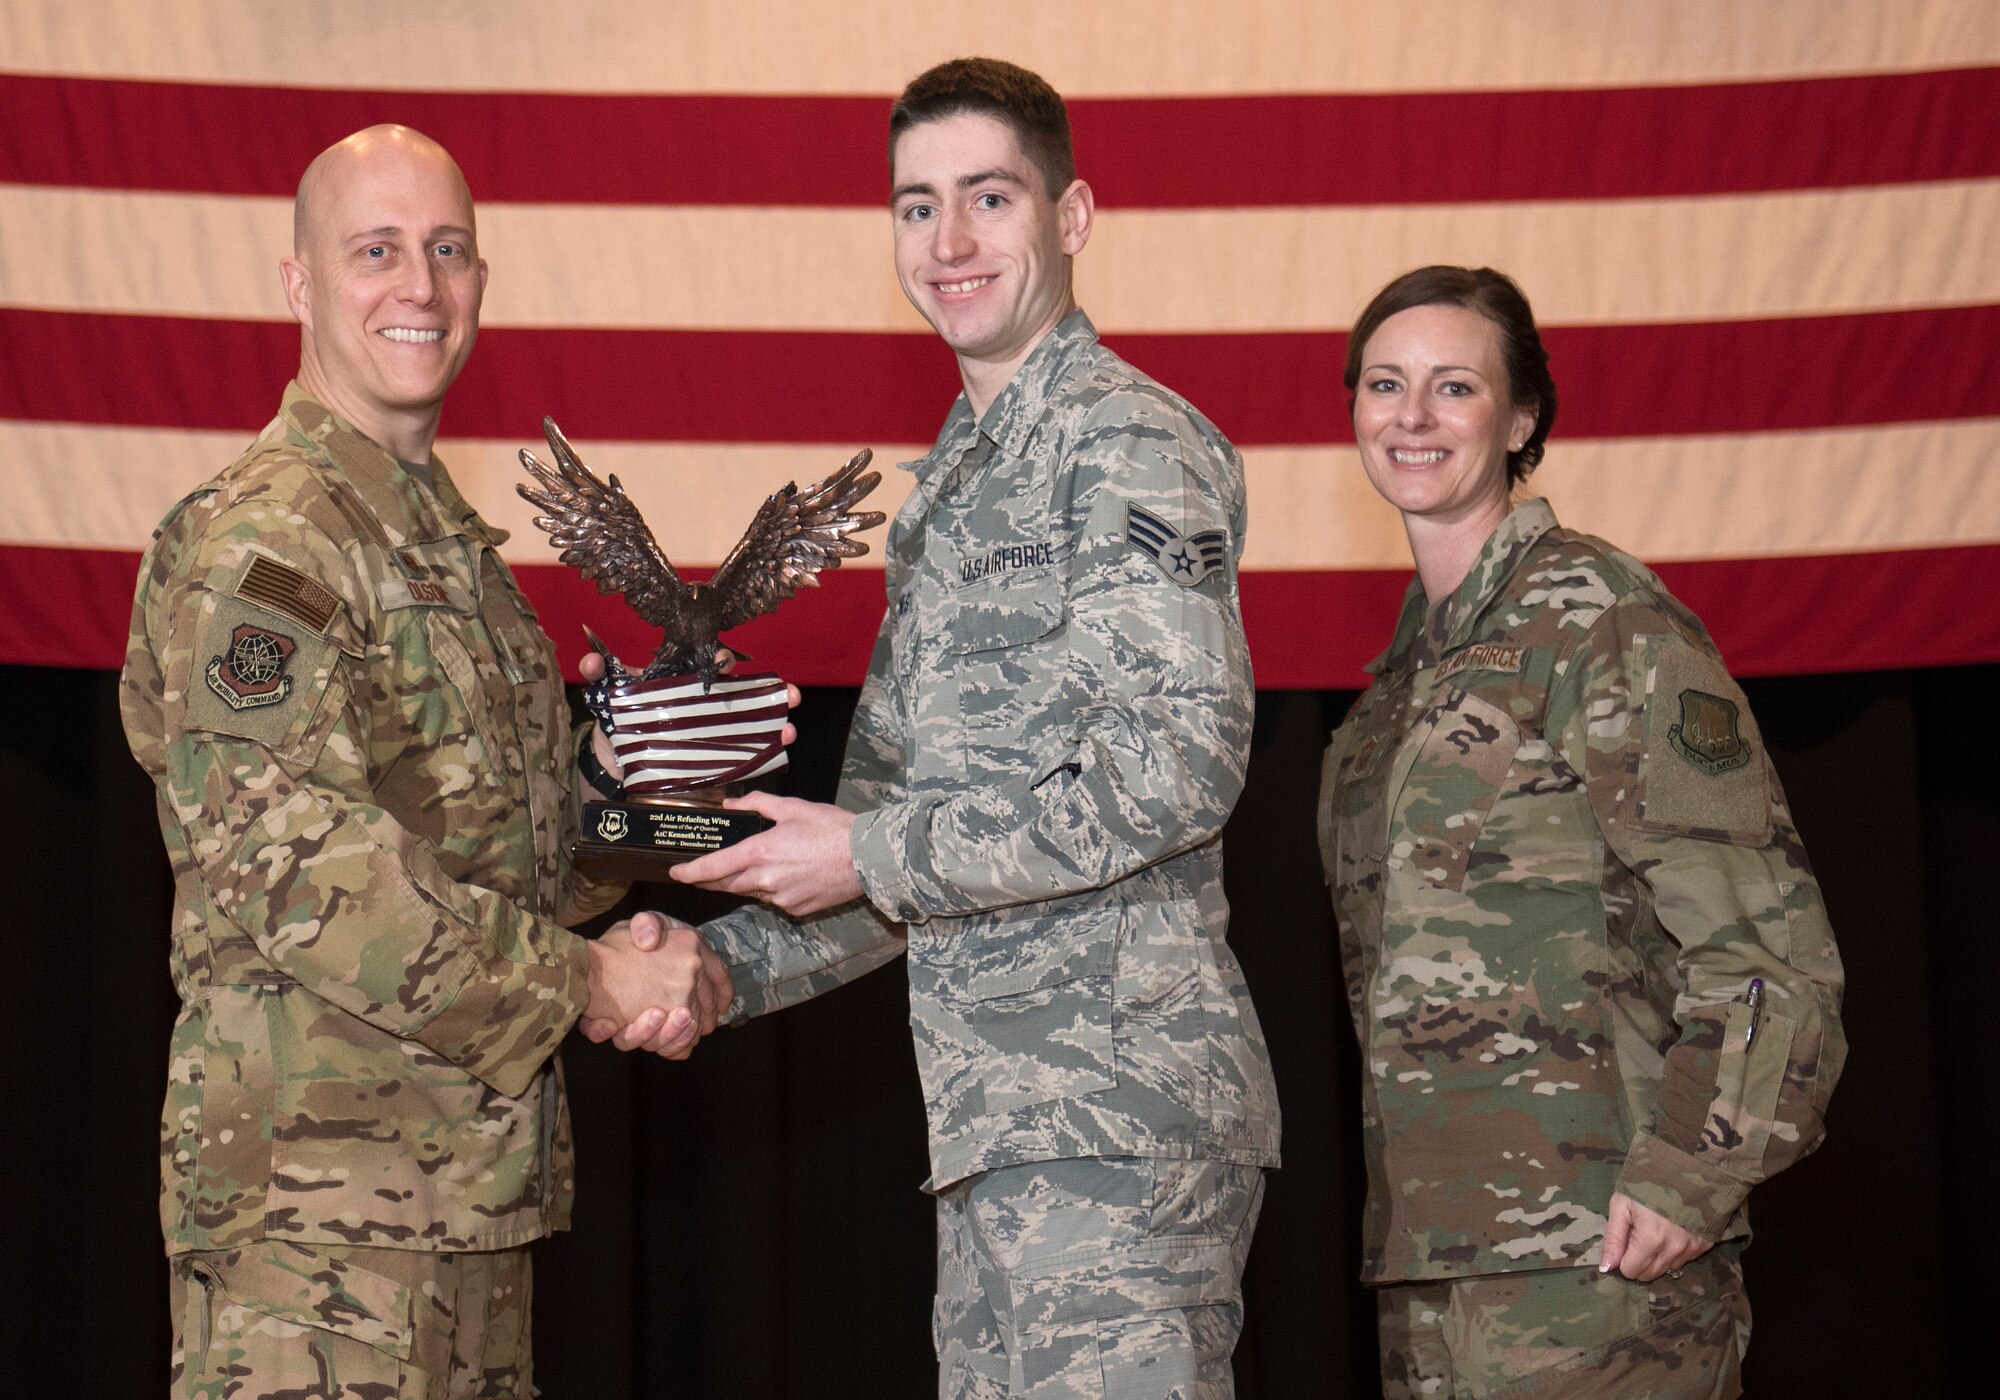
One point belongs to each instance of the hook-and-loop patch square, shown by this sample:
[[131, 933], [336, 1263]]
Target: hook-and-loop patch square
[[1701, 773], [262, 660]]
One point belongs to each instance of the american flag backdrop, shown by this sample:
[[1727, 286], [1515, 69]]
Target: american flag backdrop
[[1763, 239]]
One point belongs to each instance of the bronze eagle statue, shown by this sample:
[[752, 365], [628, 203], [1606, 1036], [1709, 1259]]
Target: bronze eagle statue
[[601, 535]]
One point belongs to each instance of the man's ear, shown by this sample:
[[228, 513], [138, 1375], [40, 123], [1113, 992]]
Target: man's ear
[[292, 272], [1076, 210]]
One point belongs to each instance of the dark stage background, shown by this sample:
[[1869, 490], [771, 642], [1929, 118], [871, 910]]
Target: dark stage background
[[749, 1223]]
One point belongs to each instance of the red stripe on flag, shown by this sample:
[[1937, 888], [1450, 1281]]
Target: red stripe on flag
[[831, 387], [65, 607], [70, 607], [1798, 615], [1666, 380], [1158, 152]]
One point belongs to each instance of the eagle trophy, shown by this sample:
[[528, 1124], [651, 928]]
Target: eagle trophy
[[602, 536]]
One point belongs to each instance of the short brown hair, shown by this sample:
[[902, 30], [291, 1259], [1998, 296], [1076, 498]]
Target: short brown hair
[[1494, 296], [992, 87]]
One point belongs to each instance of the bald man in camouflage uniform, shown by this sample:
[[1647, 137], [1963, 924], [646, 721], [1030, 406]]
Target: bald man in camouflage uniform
[[1587, 959], [1053, 729], [365, 767]]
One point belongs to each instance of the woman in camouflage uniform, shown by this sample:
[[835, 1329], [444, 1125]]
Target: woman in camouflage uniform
[[1592, 976]]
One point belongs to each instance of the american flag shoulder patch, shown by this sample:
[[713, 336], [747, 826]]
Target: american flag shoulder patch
[[287, 592], [1186, 559]]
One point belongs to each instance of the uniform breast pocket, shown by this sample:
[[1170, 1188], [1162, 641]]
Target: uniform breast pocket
[[1353, 797], [461, 676], [1457, 771], [1334, 794], [538, 717], [1003, 642]]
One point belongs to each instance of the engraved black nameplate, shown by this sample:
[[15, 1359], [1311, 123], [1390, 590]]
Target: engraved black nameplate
[[644, 840]]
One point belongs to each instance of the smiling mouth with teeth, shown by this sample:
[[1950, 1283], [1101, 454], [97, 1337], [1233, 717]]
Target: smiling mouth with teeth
[[1405, 457], [971, 284], [404, 335]]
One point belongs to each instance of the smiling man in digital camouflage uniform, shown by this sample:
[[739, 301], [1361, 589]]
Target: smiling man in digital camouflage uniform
[[1053, 730], [366, 768]]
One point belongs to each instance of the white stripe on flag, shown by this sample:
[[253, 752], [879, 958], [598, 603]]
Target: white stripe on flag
[[1106, 47], [1835, 491], [1583, 262], [107, 488], [1830, 491]]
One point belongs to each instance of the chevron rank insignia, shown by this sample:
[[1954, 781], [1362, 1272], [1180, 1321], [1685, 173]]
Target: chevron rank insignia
[[1186, 559]]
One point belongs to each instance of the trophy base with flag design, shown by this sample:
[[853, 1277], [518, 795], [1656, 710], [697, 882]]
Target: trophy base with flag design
[[683, 745]]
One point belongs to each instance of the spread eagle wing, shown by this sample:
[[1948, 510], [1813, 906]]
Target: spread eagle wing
[[602, 535], [795, 535]]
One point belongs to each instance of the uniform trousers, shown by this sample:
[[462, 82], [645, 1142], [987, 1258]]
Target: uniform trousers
[[1569, 1334], [1093, 1278], [336, 1323]]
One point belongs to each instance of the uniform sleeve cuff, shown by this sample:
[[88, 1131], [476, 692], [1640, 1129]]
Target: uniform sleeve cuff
[[879, 842], [1681, 1187], [746, 951], [508, 1017]]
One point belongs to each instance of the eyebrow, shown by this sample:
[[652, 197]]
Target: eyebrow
[[391, 230], [1005, 177], [1435, 369], [964, 182]]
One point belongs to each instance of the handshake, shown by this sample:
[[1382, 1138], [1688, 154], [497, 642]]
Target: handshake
[[655, 985]]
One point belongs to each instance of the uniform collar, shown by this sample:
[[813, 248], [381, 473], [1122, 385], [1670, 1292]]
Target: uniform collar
[[1015, 415], [406, 508], [1424, 634]]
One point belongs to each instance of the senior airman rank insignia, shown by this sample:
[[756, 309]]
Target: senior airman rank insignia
[[1707, 735], [252, 673], [1187, 560]]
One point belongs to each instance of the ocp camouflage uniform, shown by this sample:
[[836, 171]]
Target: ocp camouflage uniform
[[362, 752], [1054, 727], [1568, 892]]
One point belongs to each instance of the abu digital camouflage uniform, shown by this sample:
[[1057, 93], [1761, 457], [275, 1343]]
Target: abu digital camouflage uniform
[[362, 752], [1094, 1277], [1054, 727], [1583, 948]]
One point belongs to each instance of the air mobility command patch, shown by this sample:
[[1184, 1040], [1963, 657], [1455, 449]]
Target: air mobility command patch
[[1187, 560], [252, 673]]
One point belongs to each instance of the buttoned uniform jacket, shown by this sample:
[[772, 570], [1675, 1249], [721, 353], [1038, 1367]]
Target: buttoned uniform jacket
[[363, 757], [1052, 732], [1583, 947]]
